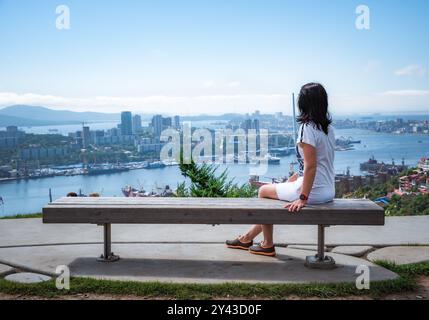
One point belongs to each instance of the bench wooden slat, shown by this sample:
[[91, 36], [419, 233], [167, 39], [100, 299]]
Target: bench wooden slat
[[209, 211]]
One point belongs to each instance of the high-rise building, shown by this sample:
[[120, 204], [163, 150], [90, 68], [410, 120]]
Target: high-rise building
[[177, 122], [247, 124], [157, 125], [11, 137], [86, 137], [12, 129], [250, 124], [137, 123], [167, 123], [255, 124], [126, 123]]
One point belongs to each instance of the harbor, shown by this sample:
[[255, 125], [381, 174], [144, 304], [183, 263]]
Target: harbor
[[30, 195]]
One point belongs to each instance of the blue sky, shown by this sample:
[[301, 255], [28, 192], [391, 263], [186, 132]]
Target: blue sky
[[214, 56]]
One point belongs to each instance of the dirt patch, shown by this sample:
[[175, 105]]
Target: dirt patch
[[422, 292]]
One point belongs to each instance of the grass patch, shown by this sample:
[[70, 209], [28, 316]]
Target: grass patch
[[407, 270], [202, 291], [22, 216], [405, 282]]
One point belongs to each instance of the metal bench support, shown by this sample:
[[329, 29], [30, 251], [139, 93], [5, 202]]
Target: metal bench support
[[108, 255], [320, 261]]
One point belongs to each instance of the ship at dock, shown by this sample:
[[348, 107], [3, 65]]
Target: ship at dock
[[374, 166], [345, 144], [105, 169]]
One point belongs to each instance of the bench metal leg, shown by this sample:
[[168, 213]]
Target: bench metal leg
[[108, 255], [320, 261]]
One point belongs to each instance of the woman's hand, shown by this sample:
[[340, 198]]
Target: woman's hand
[[296, 205]]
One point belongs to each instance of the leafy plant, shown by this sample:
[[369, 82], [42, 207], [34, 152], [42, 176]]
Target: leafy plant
[[408, 205], [206, 183]]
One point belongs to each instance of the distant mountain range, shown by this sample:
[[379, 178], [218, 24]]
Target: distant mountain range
[[32, 116], [24, 116]]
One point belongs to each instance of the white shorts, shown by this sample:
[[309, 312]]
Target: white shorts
[[289, 191]]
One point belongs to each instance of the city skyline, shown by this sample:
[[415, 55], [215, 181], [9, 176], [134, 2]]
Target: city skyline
[[214, 57]]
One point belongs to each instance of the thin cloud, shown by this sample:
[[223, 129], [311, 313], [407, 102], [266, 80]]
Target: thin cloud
[[406, 93], [153, 104], [389, 101], [411, 70]]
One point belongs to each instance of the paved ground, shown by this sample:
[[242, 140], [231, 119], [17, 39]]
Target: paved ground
[[401, 255], [190, 263], [397, 231], [5, 269], [195, 253]]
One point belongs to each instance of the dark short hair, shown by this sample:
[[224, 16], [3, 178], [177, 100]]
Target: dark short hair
[[313, 106], [72, 194]]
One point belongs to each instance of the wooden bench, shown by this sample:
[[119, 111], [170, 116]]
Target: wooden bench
[[213, 211]]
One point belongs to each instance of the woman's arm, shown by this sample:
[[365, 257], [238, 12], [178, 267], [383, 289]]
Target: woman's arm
[[310, 167]]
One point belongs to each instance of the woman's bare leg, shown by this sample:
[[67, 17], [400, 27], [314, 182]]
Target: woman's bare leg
[[266, 191], [251, 234], [268, 229], [293, 177]]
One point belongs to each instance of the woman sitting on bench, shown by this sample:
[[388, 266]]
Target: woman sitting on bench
[[315, 182]]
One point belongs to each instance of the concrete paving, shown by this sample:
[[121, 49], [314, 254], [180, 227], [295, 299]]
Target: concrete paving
[[27, 277], [304, 247], [401, 255], [189, 263], [355, 251], [397, 231], [4, 269], [195, 253]]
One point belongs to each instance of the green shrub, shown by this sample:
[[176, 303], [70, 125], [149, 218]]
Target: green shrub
[[408, 205], [206, 183]]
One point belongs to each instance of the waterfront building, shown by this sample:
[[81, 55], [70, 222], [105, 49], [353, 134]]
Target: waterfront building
[[137, 123], [86, 137], [159, 123], [97, 135], [39, 153], [126, 123], [11, 137], [154, 147]]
